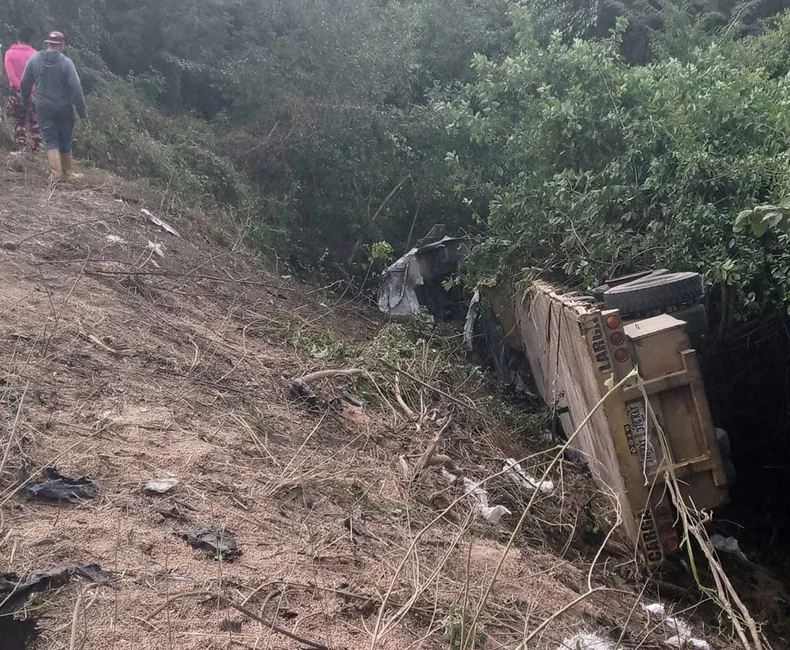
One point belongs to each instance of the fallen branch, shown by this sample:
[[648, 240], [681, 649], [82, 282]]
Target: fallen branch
[[399, 399], [425, 459], [430, 387]]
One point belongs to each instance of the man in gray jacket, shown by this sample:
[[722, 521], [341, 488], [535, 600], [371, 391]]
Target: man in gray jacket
[[58, 93]]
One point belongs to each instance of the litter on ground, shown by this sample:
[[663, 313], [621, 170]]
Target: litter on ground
[[160, 485], [585, 641], [53, 486], [521, 477], [160, 222], [220, 545], [19, 622], [492, 514]]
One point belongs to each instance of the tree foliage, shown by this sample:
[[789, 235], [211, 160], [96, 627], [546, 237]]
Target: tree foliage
[[604, 166], [568, 138]]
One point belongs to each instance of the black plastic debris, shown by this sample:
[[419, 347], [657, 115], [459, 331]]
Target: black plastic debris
[[303, 393], [220, 545], [18, 626], [53, 486]]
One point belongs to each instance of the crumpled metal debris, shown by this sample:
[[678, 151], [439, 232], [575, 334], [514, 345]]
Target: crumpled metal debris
[[18, 627], [422, 266], [54, 486], [220, 545]]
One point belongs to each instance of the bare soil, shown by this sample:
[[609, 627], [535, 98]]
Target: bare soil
[[130, 354]]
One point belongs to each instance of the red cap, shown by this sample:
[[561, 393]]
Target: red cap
[[55, 38]]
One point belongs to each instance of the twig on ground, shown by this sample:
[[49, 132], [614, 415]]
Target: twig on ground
[[466, 405], [239, 608]]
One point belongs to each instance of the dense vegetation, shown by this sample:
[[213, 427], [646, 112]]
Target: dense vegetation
[[586, 137]]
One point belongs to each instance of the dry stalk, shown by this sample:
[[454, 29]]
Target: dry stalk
[[325, 374], [242, 610], [412, 547]]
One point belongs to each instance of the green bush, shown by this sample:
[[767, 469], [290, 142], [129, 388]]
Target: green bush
[[603, 167]]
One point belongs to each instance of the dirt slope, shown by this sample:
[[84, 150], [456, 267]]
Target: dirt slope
[[131, 354]]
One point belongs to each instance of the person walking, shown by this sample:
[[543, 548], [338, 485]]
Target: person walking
[[58, 94], [16, 57]]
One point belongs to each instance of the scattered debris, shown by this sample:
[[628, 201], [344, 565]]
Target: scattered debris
[[9, 245], [114, 239], [415, 279], [730, 546], [492, 514], [351, 399], [300, 389], [56, 487], [160, 485], [522, 478], [159, 222], [18, 625], [219, 545], [157, 248], [682, 634], [585, 641]]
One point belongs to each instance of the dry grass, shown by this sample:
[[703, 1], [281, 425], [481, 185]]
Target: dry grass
[[124, 366]]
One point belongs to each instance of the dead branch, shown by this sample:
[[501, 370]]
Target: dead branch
[[240, 609], [326, 374], [431, 450], [399, 399], [431, 387]]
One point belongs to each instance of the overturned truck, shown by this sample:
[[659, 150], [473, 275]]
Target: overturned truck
[[581, 347]]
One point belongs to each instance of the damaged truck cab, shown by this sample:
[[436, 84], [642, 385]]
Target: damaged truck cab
[[659, 422]]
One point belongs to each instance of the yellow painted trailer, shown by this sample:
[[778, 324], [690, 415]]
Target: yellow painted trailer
[[578, 351]]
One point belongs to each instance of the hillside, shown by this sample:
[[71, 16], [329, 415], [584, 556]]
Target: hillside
[[130, 354]]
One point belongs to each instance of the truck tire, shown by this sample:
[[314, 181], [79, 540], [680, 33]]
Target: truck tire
[[616, 281], [729, 472], [723, 440], [696, 319], [654, 293]]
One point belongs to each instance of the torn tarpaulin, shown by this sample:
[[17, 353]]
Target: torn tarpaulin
[[54, 486], [220, 545], [18, 626]]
